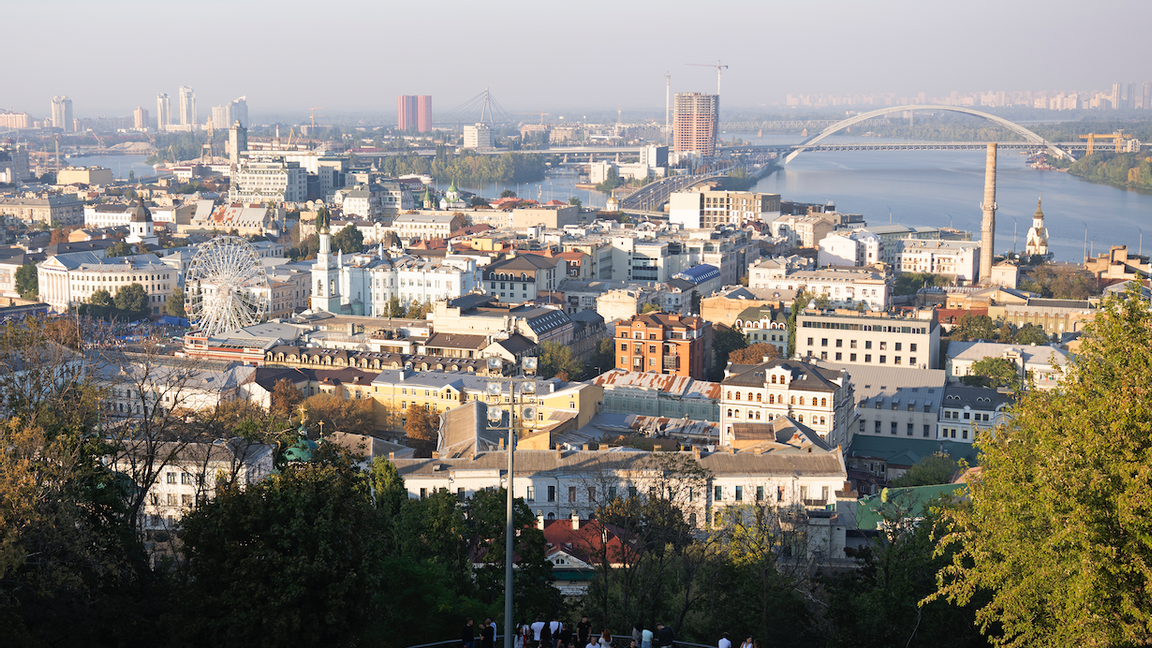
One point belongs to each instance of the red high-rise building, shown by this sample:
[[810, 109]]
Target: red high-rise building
[[407, 108], [415, 113], [424, 113]]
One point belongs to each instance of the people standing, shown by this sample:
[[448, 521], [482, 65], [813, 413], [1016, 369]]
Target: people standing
[[537, 628], [646, 638], [724, 642], [565, 634], [637, 633], [546, 639], [468, 635], [488, 634], [665, 637], [583, 631], [747, 643], [605, 639]]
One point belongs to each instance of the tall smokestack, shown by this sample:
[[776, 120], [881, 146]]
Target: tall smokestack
[[988, 224]]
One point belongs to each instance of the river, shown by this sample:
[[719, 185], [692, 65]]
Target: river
[[944, 188], [119, 164]]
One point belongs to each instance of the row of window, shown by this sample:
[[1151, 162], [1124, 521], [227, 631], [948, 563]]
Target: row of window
[[754, 415], [718, 493], [896, 360], [894, 427], [896, 346], [822, 402], [979, 416], [874, 328]]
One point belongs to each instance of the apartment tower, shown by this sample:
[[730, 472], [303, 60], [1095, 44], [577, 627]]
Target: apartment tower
[[695, 123], [187, 101], [163, 111], [406, 108], [424, 113], [62, 114]]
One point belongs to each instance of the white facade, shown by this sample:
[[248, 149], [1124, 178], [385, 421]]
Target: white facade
[[107, 215], [958, 259], [261, 180], [364, 284], [1037, 244], [844, 288], [477, 136], [436, 225], [187, 105], [70, 279], [857, 248], [869, 339], [1044, 365], [820, 399]]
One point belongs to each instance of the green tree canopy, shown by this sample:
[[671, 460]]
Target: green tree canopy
[[973, 327], [307, 539], [936, 468], [132, 302], [348, 240], [1058, 526], [119, 249], [724, 341], [175, 304], [28, 281], [993, 372], [557, 360]]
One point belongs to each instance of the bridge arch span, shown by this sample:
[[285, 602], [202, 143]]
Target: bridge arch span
[[1015, 128]]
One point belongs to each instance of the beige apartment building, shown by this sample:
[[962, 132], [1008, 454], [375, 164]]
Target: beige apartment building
[[870, 338]]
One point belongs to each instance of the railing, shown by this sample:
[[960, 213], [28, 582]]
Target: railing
[[617, 640]]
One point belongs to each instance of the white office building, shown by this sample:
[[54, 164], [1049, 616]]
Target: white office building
[[272, 179]]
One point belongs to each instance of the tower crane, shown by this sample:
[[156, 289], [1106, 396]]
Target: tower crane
[[1118, 136], [314, 118], [534, 112], [720, 67]]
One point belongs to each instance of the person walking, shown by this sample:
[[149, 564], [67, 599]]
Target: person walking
[[468, 634]]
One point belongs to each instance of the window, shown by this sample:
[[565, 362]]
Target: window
[[926, 431], [171, 499], [896, 360], [185, 500], [591, 493], [718, 493], [912, 361], [910, 429], [851, 344], [811, 341], [966, 415], [531, 496], [571, 494], [623, 347], [423, 493], [867, 357], [759, 493], [823, 355], [631, 491], [964, 433], [912, 347], [171, 478], [739, 493], [185, 478], [839, 356], [883, 345], [893, 427], [851, 357], [460, 494], [823, 342], [551, 493], [883, 359], [897, 348], [839, 343], [867, 344]]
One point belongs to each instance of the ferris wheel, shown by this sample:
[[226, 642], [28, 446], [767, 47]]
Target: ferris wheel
[[226, 287]]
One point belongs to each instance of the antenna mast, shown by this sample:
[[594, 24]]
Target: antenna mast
[[667, 103]]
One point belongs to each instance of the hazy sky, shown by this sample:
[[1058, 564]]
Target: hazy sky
[[357, 56]]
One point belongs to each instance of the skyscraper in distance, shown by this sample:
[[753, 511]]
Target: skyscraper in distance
[[424, 113], [240, 110], [62, 114], [406, 108], [140, 118], [696, 119], [163, 111], [187, 100], [1147, 95]]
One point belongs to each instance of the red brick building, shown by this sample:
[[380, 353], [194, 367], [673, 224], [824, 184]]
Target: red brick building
[[664, 343]]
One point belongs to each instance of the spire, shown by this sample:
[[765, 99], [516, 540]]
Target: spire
[[452, 187], [1039, 212]]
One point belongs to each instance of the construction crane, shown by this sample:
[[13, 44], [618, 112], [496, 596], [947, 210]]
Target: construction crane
[[720, 67], [99, 140], [314, 116], [1092, 137], [291, 135], [541, 113]]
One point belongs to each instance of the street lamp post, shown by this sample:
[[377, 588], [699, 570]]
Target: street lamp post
[[496, 388]]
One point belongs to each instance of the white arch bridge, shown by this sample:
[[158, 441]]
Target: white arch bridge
[[1028, 135]]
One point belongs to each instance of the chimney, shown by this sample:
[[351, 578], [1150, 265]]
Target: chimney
[[575, 520], [988, 223], [584, 447], [435, 455], [391, 455], [696, 451], [559, 453], [540, 520]]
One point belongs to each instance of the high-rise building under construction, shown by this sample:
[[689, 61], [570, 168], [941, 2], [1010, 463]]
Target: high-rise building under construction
[[696, 120]]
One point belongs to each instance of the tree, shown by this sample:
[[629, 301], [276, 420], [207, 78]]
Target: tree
[[993, 372], [420, 425], [394, 307], [973, 327], [293, 559], [604, 358], [478, 201], [1030, 334], [557, 360], [352, 415], [285, 398], [575, 202], [650, 308], [58, 236], [908, 283], [28, 281], [1057, 526], [724, 341], [132, 302], [349, 240], [175, 304], [754, 354], [507, 193], [119, 249], [936, 468], [415, 310]]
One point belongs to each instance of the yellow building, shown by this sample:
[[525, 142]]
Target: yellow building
[[84, 175]]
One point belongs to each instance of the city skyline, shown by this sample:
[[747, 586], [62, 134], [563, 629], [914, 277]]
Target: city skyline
[[896, 47]]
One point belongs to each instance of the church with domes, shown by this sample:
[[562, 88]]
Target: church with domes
[[141, 229], [1037, 244]]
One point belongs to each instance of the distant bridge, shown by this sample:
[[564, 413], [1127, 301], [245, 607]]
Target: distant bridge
[[784, 149], [792, 124], [851, 121]]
